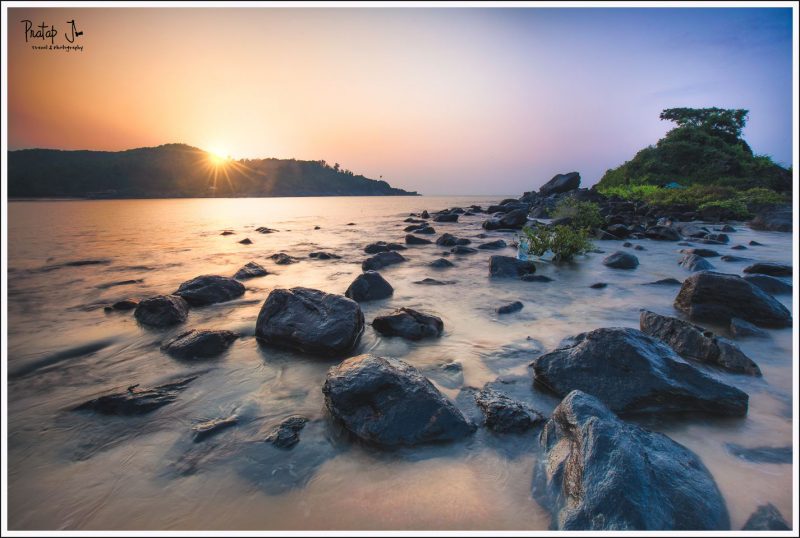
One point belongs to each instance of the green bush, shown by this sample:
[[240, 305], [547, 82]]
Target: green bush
[[736, 208], [583, 214], [563, 241]]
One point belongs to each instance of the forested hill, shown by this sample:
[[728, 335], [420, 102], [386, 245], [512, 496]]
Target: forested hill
[[177, 170]]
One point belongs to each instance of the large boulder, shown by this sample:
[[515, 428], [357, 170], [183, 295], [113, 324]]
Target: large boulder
[[369, 286], [771, 269], [697, 344], [718, 297], [776, 219], [389, 403], [561, 183], [621, 260], [310, 321], [409, 324], [769, 284], [199, 344], [601, 473], [632, 372], [162, 311], [209, 289], [506, 266], [381, 260]]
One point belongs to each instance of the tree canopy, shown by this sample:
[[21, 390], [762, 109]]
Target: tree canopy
[[726, 120]]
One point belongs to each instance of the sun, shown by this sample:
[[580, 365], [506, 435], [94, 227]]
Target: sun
[[218, 156]]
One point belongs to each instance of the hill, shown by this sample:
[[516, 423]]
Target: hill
[[179, 171]]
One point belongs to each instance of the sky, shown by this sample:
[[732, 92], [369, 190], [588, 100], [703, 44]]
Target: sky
[[438, 100]]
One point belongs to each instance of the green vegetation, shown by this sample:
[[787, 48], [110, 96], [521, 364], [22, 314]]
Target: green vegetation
[[705, 148], [564, 242], [582, 215]]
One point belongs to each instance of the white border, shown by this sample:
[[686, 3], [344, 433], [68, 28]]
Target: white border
[[346, 4]]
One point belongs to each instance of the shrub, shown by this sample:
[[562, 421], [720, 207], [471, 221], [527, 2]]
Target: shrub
[[735, 208], [584, 215], [563, 241]]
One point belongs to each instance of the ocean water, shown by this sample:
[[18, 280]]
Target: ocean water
[[75, 470]]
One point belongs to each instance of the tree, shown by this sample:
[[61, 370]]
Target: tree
[[729, 121]]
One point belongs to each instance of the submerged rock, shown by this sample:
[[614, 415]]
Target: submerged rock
[[729, 258], [703, 252], [621, 260], [599, 285], [135, 401], [510, 308], [506, 266], [324, 256], [769, 284], [409, 324], [766, 518], [535, 278], [250, 270], [693, 262], [381, 260], [434, 282], [287, 434], [697, 344], [461, 250], [162, 311], [199, 344], [369, 286], [310, 321], [631, 372], [246, 241], [206, 429], [265, 230], [741, 329], [446, 217], [717, 297], [382, 246], [412, 239], [389, 403], [449, 240], [441, 263], [504, 414], [209, 289], [761, 454], [493, 245], [124, 304], [665, 282], [601, 473], [771, 269], [281, 258]]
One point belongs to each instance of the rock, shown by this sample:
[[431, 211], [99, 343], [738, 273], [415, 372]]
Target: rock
[[434, 282], [287, 434], [704, 252], [515, 220], [123, 305], [561, 183], [717, 297], [408, 323], [506, 266], [773, 220], [506, 415], [382, 246], [726, 228], [250, 270], [324, 256], [350, 224], [206, 429], [771, 269], [535, 278], [755, 244], [638, 247], [310, 321], [246, 241], [598, 285], [427, 230], [369, 286], [761, 454], [381, 260], [697, 344], [621, 260], [135, 401], [202, 343], [265, 230], [281, 258], [741, 329], [766, 518], [414, 240], [441, 263], [209, 289], [631, 372], [510, 308], [493, 245], [227, 232], [449, 240], [601, 473], [415, 221], [738, 247], [729, 258], [446, 217], [317, 228], [769, 284], [719, 238], [461, 249], [662, 233], [693, 262], [619, 230], [665, 282], [389, 403], [162, 311]]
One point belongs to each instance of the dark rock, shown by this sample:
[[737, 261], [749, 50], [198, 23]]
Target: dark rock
[[250, 270], [665, 282], [310, 321], [769, 284], [446, 217], [515, 220], [510, 308], [771, 269], [369, 286], [766, 518], [246, 241], [598, 285], [449, 240], [324, 256], [281, 258], [204, 430], [199, 344], [704, 252], [427, 230], [720, 238], [697, 344], [639, 247], [387, 402], [317, 228], [506, 266], [441, 263], [619, 230], [425, 214], [632, 372], [761, 454], [504, 414], [693, 262], [265, 230], [535, 278], [415, 221], [627, 244], [755, 244], [717, 297], [415, 227], [209, 289], [461, 249], [434, 282], [726, 228], [621, 260], [773, 220], [662, 233], [135, 401], [601, 473], [493, 245], [408, 323], [738, 247], [729, 258], [227, 232], [350, 224], [741, 329], [561, 183], [414, 240], [382, 246], [162, 311], [381, 260], [124, 304], [287, 434]]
